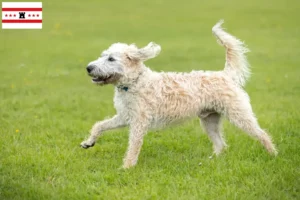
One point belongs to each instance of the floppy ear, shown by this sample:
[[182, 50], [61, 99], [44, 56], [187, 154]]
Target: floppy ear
[[145, 53]]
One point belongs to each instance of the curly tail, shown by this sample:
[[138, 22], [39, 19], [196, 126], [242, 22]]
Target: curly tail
[[236, 65]]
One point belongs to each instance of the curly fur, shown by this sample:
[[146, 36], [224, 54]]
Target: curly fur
[[154, 100]]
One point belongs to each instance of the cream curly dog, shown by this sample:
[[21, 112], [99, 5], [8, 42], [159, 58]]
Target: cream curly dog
[[145, 99]]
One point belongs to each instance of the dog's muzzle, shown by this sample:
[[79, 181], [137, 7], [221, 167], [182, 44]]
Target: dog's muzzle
[[101, 79]]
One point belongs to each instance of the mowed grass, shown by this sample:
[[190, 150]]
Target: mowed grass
[[48, 104]]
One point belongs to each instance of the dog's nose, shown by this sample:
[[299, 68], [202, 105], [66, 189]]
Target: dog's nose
[[90, 68]]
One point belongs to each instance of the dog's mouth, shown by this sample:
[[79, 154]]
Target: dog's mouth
[[102, 80], [99, 79]]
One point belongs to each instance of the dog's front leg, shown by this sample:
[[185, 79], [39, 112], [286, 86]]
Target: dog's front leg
[[100, 127], [137, 132]]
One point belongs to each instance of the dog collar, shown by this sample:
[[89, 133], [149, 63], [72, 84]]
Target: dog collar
[[122, 87], [125, 88]]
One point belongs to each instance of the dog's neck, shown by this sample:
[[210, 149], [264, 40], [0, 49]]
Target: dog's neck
[[132, 82]]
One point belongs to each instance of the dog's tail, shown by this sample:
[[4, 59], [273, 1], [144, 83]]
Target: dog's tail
[[236, 65]]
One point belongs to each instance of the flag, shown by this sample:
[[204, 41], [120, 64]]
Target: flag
[[21, 15]]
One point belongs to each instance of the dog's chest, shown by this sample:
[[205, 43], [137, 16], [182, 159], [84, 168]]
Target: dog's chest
[[125, 102]]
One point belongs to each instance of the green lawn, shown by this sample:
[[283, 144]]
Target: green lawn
[[48, 103]]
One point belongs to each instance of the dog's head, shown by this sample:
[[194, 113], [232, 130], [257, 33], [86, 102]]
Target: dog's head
[[120, 63]]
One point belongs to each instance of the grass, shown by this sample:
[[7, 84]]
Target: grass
[[47, 103]]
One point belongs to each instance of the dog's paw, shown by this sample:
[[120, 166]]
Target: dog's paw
[[87, 144], [129, 164]]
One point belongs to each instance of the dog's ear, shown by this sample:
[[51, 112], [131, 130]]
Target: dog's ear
[[145, 53]]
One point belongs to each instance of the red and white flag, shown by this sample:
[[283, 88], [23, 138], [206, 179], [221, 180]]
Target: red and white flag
[[21, 15]]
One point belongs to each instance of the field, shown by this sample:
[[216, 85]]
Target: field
[[48, 103]]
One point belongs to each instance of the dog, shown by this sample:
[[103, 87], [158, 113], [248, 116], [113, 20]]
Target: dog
[[145, 99]]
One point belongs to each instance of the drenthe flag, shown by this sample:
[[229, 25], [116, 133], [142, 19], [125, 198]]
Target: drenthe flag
[[21, 15]]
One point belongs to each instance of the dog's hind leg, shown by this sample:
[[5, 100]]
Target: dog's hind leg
[[240, 114], [211, 123]]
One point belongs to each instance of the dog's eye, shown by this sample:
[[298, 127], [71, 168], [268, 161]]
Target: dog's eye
[[111, 59]]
